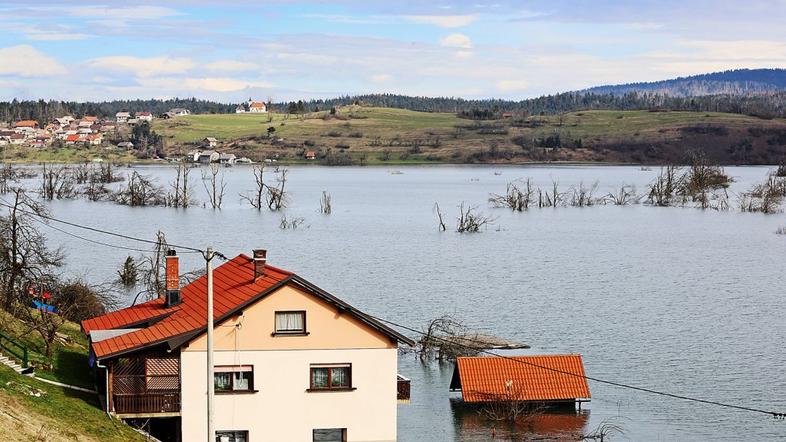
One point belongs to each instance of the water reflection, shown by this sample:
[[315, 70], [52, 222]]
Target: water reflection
[[548, 425]]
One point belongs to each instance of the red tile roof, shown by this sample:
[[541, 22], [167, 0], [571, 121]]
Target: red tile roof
[[26, 123], [234, 287], [534, 378], [257, 105], [72, 138]]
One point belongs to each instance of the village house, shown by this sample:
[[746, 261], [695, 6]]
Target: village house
[[227, 158], [311, 155], [72, 139], [127, 145], [179, 111], [207, 157], [251, 106], [65, 120], [292, 362], [122, 117], [210, 142], [144, 116], [26, 126]]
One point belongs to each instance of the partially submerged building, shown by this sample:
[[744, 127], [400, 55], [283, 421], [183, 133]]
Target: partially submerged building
[[541, 380]]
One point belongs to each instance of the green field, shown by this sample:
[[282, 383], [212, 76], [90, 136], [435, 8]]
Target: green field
[[366, 133], [34, 410]]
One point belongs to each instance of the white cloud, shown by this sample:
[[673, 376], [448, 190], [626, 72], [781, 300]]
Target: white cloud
[[381, 78], [463, 54], [231, 66], [123, 13], [456, 41], [27, 61], [56, 36], [443, 21], [142, 67], [512, 85], [209, 84]]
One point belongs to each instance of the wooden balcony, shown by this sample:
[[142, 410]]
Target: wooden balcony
[[146, 386], [403, 389]]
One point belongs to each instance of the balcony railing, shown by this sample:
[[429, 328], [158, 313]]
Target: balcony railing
[[147, 403], [403, 389]]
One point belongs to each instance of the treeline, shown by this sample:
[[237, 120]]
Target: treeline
[[768, 105], [44, 111]]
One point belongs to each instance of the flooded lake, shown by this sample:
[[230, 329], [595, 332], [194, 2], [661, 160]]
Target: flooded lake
[[674, 299]]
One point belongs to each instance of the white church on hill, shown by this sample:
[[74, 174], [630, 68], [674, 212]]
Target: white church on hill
[[251, 106]]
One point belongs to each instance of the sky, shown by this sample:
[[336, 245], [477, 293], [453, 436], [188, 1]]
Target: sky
[[284, 50]]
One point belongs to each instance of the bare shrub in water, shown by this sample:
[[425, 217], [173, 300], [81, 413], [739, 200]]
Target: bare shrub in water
[[277, 196], [765, 198], [257, 197], [57, 183], [582, 196], [515, 198], [214, 184], [470, 220], [180, 190], [139, 192], [626, 195], [554, 198]]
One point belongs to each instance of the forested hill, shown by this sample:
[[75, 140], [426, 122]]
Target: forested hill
[[734, 82]]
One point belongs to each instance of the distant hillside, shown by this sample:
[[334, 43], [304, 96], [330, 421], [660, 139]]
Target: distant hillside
[[734, 82]]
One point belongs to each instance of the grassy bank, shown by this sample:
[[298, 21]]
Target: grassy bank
[[34, 410]]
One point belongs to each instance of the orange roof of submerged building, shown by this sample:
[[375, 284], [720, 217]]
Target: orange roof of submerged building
[[235, 286], [524, 378]]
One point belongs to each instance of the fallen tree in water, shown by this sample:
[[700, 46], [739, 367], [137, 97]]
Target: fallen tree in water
[[445, 338]]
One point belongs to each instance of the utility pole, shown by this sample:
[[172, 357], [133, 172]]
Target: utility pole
[[211, 431]]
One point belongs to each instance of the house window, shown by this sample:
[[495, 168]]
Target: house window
[[290, 322], [231, 436], [330, 435], [331, 377], [234, 379]]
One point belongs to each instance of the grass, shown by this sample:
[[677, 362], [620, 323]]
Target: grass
[[65, 155], [33, 410], [69, 361]]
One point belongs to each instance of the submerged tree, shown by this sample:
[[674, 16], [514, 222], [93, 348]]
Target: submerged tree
[[257, 197], [515, 198], [470, 220], [180, 190], [140, 191], [277, 196], [214, 185], [325, 203], [128, 273], [56, 182]]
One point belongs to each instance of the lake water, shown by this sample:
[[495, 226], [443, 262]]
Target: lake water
[[675, 299]]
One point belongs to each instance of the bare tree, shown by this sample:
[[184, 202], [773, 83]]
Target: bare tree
[[444, 338], [257, 198], [442, 226], [470, 220], [325, 203], [152, 268], [24, 255], [604, 431], [514, 198], [140, 191], [180, 189], [214, 185], [128, 273], [9, 176], [663, 191], [277, 196], [56, 182]]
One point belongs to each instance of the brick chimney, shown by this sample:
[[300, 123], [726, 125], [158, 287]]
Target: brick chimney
[[260, 258], [172, 283]]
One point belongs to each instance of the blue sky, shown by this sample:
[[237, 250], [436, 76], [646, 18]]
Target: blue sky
[[284, 50]]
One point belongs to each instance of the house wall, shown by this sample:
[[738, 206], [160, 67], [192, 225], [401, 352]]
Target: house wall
[[282, 409]]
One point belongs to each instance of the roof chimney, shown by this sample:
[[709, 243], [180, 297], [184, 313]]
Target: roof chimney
[[260, 258], [172, 284]]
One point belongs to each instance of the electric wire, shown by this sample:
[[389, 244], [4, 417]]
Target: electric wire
[[778, 415]]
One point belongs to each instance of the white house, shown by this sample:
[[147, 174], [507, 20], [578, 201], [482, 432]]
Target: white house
[[144, 116], [122, 117], [210, 142], [179, 111], [291, 361], [251, 106]]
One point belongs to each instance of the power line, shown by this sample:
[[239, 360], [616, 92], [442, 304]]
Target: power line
[[97, 230], [591, 378], [115, 246]]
